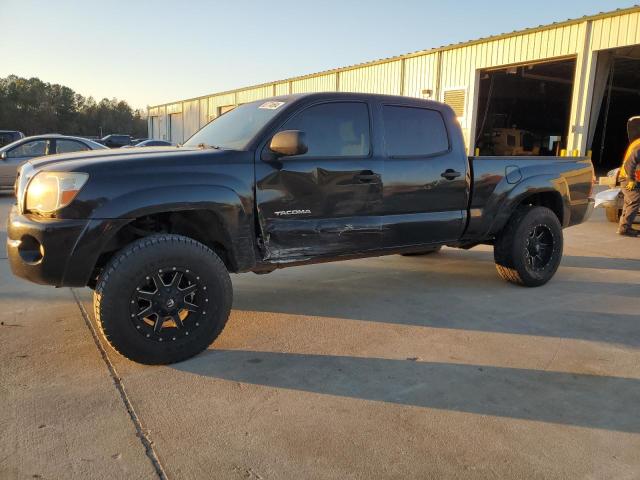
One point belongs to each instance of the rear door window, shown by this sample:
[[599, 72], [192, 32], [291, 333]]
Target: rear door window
[[413, 131], [66, 146]]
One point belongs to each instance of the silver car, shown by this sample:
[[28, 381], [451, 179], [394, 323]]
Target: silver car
[[612, 199], [25, 149]]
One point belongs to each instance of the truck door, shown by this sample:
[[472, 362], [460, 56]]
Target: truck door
[[426, 187], [326, 201]]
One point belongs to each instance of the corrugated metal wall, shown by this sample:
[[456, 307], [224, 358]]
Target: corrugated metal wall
[[191, 118], [382, 78], [204, 112], [282, 88], [220, 101], [320, 83], [618, 31], [420, 73], [455, 67], [254, 94]]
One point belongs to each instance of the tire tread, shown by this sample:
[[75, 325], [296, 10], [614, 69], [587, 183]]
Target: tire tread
[[121, 258]]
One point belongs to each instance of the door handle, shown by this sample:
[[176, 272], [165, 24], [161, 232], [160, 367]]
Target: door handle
[[450, 174]]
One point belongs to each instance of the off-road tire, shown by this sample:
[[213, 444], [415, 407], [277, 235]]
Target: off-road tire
[[613, 214], [510, 249], [117, 284], [426, 251]]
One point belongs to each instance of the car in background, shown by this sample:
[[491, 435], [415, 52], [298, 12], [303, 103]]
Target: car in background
[[151, 143], [611, 199], [15, 154], [116, 140], [9, 136]]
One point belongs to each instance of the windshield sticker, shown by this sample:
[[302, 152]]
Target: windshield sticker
[[271, 105]]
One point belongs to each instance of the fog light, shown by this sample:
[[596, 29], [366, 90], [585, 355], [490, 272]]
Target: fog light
[[30, 249]]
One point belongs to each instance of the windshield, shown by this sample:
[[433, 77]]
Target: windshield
[[236, 128]]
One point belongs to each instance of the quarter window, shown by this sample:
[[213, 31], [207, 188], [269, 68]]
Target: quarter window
[[411, 131], [66, 146], [339, 129]]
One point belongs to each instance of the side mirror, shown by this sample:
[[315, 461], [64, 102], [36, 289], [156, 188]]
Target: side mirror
[[288, 143], [3, 156]]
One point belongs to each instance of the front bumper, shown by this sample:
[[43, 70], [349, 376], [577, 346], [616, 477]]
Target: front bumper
[[59, 252]]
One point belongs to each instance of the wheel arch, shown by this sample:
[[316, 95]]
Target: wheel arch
[[214, 216], [543, 190]]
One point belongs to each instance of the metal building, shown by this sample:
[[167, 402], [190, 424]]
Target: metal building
[[565, 87]]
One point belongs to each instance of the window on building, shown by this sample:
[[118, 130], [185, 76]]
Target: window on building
[[411, 131], [337, 129]]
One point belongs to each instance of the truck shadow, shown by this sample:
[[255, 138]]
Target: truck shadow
[[563, 398], [449, 294]]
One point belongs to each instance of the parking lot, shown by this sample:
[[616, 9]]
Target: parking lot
[[396, 367]]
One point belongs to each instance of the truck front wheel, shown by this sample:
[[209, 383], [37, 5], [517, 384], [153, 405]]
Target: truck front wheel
[[529, 249], [162, 299]]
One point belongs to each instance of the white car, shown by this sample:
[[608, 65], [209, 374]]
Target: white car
[[25, 149]]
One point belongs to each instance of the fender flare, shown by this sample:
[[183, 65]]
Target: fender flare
[[504, 201], [223, 202]]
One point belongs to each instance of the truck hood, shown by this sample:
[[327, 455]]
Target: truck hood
[[99, 156]]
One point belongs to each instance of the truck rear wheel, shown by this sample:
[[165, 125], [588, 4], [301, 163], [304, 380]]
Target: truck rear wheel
[[529, 249], [162, 299]]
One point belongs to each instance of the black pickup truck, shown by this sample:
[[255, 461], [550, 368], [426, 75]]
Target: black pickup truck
[[293, 180]]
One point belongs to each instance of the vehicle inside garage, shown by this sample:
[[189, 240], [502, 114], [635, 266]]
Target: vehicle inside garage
[[525, 110], [616, 99]]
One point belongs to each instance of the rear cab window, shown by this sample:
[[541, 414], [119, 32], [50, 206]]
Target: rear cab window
[[414, 131]]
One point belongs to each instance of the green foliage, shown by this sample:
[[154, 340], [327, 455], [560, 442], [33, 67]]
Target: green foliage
[[34, 107]]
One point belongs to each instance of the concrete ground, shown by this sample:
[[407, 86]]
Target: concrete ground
[[395, 367]]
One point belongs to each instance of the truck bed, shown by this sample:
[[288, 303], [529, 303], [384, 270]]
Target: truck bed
[[496, 181]]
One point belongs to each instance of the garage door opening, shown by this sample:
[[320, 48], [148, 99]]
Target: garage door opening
[[616, 99], [525, 110]]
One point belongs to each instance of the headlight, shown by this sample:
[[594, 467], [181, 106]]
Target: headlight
[[50, 191]]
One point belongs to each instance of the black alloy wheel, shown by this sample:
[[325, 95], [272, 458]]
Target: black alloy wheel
[[539, 247], [168, 304], [162, 299], [528, 250]]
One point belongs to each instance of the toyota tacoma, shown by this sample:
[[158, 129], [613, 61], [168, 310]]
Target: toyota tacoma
[[292, 180]]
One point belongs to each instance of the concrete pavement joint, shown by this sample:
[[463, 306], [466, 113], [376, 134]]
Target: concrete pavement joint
[[142, 434]]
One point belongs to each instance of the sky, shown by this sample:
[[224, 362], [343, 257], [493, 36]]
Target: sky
[[152, 52]]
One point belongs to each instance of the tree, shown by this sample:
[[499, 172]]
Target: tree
[[33, 106]]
